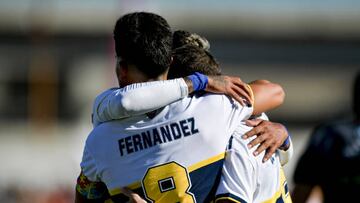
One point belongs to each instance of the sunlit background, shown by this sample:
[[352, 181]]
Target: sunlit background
[[56, 56]]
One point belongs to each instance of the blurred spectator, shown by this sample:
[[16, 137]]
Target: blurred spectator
[[330, 166]]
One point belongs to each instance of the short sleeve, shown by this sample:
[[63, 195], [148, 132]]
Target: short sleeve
[[286, 155], [102, 109], [88, 165]]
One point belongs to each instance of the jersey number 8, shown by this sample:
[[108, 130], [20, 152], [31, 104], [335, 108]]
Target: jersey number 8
[[167, 183]]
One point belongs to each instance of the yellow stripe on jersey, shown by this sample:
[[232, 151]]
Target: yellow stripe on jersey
[[206, 162], [227, 198], [281, 193], [132, 186], [194, 167]]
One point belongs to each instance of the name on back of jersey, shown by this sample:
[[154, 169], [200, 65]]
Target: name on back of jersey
[[159, 135]]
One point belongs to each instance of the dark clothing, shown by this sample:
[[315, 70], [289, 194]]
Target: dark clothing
[[332, 161]]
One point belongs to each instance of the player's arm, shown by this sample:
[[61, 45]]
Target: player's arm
[[267, 95], [141, 98], [137, 99], [89, 191], [89, 187]]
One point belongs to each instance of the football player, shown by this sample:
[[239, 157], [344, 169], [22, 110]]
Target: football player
[[166, 132]]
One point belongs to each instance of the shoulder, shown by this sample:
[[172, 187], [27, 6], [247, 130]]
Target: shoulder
[[98, 133], [218, 100], [204, 99], [106, 93]]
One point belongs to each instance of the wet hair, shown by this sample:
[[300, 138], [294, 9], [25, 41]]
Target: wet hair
[[191, 54], [145, 40]]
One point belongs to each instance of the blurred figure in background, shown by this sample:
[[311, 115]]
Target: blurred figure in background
[[329, 170]]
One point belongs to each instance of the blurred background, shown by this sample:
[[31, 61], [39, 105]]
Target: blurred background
[[57, 55]]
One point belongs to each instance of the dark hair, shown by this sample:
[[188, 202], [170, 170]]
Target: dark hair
[[189, 59], [356, 104], [145, 40], [190, 54]]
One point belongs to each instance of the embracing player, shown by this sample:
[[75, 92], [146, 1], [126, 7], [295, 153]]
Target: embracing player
[[172, 130]]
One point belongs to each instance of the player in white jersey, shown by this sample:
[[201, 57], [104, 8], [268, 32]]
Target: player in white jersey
[[174, 156], [142, 98], [242, 175], [109, 106], [246, 178]]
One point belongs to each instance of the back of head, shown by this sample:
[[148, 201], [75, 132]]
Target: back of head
[[182, 38], [144, 40], [356, 104], [190, 54]]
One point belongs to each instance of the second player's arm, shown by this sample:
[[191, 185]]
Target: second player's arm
[[142, 98], [267, 95]]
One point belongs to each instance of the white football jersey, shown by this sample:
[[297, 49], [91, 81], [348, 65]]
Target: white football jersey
[[246, 179], [177, 156]]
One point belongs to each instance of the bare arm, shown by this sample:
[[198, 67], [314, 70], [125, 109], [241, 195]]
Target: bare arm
[[267, 95]]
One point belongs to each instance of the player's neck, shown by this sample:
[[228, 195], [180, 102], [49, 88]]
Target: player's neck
[[160, 77], [133, 75]]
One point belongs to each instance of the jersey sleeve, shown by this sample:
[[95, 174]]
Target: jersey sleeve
[[238, 180], [88, 165], [91, 190], [137, 99], [285, 155]]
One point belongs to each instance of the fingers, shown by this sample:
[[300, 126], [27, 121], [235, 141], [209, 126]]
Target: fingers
[[231, 86], [269, 152], [255, 131], [133, 197], [245, 87], [254, 122], [259, 139], [242, 90], [127, 192], [237, 97]]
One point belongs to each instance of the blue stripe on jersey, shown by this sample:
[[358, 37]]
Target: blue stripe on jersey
[[230, 142], [204, 182], [229, 196]]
